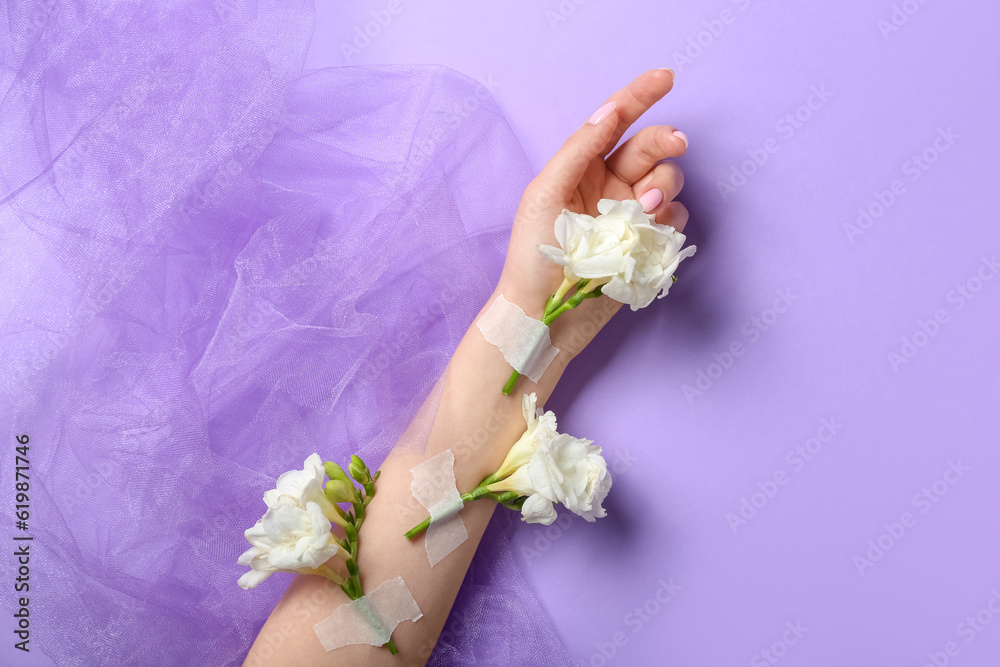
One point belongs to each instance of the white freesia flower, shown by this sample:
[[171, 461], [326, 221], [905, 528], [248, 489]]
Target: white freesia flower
[[623, 249], [540, 426], [598, 485], [289, 538], [294, 534], [538, 509], [301, 487], [565, 470], [591, 248]]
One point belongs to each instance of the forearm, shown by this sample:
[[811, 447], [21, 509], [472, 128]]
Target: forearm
[[479, 424], [474, 419]]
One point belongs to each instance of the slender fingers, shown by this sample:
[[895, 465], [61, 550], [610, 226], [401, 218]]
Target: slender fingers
[[634, 158], [674, 214], [570, 163], [599, 135], [656, 191], [636, 98]]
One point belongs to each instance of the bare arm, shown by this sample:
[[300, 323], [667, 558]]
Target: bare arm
[[474, 419]]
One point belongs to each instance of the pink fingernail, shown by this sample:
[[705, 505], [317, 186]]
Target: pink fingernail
[[602, 113], [682, 136], [651, 199]]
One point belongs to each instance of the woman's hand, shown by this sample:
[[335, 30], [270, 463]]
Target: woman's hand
[[471, 416], [585, 170]]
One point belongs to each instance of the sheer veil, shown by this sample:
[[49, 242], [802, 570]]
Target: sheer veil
[[214, 264]]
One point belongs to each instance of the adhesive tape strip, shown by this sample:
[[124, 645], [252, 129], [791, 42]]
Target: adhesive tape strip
[[371, 618], [434, 487], [523, 341]]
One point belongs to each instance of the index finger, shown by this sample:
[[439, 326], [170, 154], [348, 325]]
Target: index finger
[[596, 138], [636, 98]]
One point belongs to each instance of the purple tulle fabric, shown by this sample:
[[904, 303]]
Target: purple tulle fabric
[[212, 266]]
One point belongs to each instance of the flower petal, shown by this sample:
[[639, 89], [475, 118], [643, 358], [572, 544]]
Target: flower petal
[[537, 509], [252, 578]]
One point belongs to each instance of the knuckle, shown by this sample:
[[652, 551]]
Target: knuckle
[[670, 175], [647, 147], [676, 215]]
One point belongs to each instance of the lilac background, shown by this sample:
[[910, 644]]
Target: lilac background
[[825, 358], [683, 465]]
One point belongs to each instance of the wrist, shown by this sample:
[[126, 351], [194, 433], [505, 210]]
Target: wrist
[[529, 300], [533, 303], [573, 330]]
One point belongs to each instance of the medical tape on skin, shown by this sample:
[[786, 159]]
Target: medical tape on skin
[[435, 488], [523, 340], [371, 618]]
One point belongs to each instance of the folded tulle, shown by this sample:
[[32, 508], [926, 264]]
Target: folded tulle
[[212, 265]]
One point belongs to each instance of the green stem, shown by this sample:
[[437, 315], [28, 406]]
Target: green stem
[[353, 584], [479, 492], [419, 528], [583, 291], [509, 387], [558, 297], [569, 305]]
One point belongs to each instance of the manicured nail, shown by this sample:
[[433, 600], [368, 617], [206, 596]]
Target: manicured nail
[[651, 199], [602, 113], [682, 136]]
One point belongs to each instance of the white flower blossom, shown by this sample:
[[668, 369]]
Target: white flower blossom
[[541, 425], [562, 469], [294, 534], [302, 487], [288, 538], [623, 249]]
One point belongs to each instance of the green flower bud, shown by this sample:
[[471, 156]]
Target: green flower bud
[[339, 492], [335, 472], [359, 470]]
